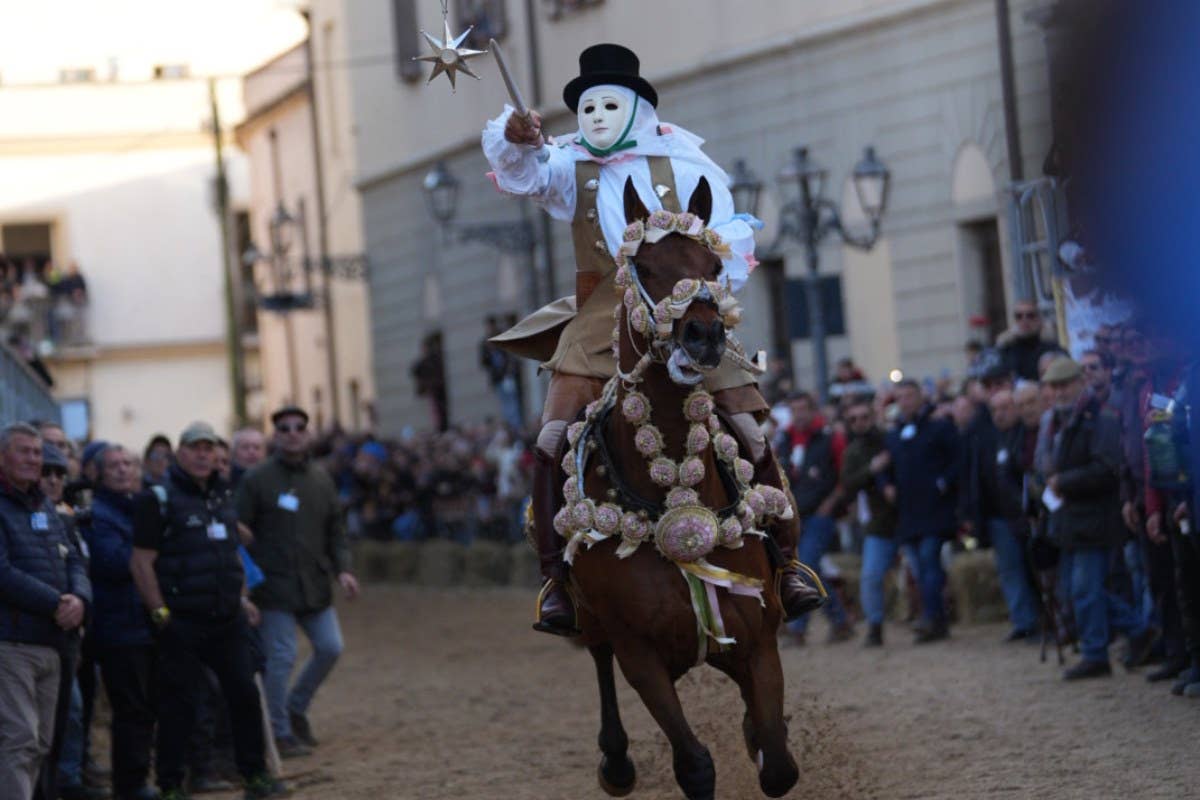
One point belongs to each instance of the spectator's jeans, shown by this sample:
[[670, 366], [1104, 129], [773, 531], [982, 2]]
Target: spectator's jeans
[[1014, 577], [510, 402], [932, 579], [70, 757], [29, 677], [817, 535], [279, 639], [1097, 609], [1135, 562], [129, 681], [878, 554], [185, 646]]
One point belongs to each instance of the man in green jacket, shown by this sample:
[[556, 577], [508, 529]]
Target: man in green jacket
[[865, 459], [298, 537]]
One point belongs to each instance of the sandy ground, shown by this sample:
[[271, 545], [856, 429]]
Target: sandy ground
[[448, 694]]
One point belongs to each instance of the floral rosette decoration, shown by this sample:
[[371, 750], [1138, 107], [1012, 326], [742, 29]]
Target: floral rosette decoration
[[698, 439], [635, 408], [649, 441], [687, 534]]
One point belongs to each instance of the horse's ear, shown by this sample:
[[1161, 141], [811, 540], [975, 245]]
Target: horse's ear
[[635, 209], [701, 201]]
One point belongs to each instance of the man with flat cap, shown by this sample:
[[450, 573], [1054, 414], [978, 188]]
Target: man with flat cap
[[187, 569], [290, 505], [1084, 502], [580, 178]]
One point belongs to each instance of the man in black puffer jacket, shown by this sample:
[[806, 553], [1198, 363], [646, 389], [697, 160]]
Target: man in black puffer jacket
[[44, 595], [187, 569]]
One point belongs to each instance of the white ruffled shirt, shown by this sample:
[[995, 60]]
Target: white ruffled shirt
[[549, 180]]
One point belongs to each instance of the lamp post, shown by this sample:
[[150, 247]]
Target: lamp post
[[807, 217], [282, 291], [516, 237]]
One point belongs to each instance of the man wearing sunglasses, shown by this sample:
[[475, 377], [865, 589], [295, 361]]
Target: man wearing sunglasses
[[1023, 345], [864, 465], [291, 508]]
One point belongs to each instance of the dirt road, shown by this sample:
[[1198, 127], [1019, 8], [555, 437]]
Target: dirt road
[[447, 694]]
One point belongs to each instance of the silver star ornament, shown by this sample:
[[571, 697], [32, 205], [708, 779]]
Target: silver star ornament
[[448, 56]]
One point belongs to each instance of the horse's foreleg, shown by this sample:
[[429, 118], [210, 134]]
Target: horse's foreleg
[[693, 764], [617, 774], [761, 682]]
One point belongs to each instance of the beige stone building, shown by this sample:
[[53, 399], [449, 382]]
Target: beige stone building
[[107, 159], [920, 80], [307, 232]]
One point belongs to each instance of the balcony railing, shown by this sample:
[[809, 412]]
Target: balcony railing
[[23, 395]]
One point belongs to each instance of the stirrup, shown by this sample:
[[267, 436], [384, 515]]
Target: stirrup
[[543, 627], [805, 569]]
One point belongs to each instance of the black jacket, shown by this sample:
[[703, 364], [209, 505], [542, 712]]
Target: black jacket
[[991, 464], [815, 477], [199, 570], [1021, 355], [1086, 458], [925, 468], [38, 564]]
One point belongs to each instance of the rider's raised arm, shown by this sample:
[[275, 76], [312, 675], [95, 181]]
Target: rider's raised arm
[[546, 175]]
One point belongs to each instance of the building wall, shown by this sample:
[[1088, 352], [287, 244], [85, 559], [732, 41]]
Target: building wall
[[122, 167], [918, 80], [278, 99], [137, 393]]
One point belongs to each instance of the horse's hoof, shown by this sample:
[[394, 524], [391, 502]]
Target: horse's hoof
[[621, 778], [778, 782]]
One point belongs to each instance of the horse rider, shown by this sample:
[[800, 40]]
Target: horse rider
[[580, 179]]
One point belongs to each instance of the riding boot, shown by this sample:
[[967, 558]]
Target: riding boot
[[555, 608], [800, 589]]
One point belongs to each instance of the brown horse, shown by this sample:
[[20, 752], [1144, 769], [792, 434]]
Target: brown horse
[[639, 608]]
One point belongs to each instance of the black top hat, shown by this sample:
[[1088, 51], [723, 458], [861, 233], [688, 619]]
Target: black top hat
[[608, 63]]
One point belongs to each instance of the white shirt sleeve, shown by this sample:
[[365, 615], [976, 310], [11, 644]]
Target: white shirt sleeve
[[547, 177]]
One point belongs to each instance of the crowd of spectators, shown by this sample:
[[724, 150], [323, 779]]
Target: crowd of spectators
[[42, 306], [1073, 473]]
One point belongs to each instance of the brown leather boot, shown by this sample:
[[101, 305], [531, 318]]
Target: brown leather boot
[[555, 608], [800, 589]]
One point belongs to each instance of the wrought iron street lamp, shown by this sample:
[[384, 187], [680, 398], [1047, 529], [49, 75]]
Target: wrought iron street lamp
[[807, 217], [745, 187], [441, 192], [516, 237]]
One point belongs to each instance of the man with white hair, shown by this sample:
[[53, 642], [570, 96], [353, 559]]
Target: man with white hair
[[44, 595]]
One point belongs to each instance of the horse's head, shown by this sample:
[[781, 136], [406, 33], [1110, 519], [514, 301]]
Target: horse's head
[[674, 293]]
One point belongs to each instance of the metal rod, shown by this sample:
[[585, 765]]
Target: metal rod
[[812, 290]]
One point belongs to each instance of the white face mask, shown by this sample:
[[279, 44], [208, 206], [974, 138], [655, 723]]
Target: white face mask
[[604, 113]]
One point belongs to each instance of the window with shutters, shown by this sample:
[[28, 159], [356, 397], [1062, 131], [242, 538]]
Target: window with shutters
[[487, 19], [408, 39]]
